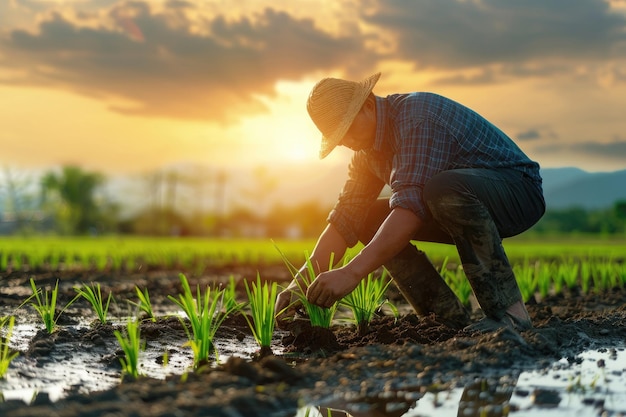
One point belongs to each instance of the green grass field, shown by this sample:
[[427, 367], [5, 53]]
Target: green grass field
[[541, 265], [172, 252]]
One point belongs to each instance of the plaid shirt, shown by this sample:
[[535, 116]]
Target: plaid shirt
[[417, 136]]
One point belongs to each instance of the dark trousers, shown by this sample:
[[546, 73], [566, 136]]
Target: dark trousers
[[472, 209]]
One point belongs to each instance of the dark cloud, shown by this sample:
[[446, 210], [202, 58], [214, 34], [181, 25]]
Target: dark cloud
[[615, 150], [608, 151], [217, 70], [535, 133], [531, 134], [483, 76], [154, 60], [505, 72], [456, 34]]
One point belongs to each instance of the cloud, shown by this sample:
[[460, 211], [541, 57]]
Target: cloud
[[166, 63], [614, 150], [455, 34], [531, 134], [180, 61], [536, 133]]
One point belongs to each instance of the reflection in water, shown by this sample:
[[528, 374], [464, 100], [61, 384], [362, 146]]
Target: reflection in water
[[481, 398], [486, 398]]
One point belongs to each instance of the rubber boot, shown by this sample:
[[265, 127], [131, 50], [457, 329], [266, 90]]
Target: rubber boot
[[484, 261], [424, 288]]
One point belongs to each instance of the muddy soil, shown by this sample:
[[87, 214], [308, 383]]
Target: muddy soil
[[388, 368]]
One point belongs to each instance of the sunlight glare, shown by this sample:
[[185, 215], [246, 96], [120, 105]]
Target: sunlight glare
[[286, 133]]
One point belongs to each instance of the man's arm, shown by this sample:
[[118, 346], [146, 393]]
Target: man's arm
[[392, 236]]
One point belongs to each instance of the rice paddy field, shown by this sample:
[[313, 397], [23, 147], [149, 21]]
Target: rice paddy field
[[117, 253], [541, 266], [403, 365]]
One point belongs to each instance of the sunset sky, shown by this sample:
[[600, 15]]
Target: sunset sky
[[130, 86]]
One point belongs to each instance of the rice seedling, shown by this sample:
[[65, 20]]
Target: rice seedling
[[558, 283], [318, 316], [229, 302], [605, 275], [585, 277], [131, 345], [456, 280], [368, 298], [569, 270], [543, 278], [45, 304], [17, 261], [526, 280], [144, 303], [463, 288], [6, 354], [621, 272], [262, 298], [4, 261], [204, 316], [93, 294]]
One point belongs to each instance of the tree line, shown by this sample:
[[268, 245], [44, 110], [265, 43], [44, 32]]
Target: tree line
[[71, 201]]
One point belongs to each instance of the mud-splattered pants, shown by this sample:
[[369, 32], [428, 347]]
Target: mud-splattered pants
[[472, 209]]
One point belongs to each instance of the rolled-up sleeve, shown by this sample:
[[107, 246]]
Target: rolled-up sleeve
[[424, 149], [359, 192]]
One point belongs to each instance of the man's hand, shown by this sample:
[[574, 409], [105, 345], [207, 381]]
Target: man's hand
[[331, 286], [286, 305]]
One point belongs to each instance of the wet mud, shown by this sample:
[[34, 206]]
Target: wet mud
[[385, 370]]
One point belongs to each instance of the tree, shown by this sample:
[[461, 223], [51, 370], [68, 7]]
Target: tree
[[19, 200], [620, 212], [77, 211]]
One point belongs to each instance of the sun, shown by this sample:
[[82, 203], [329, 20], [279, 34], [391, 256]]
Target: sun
[[297, 153], [285, 133]]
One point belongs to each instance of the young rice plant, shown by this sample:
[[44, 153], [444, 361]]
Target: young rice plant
[[319, 316], [229, 301], [366, 299], [6, 355], [204, 316], [262, 297], [130, 342], [144, 303], [93, 294], [45, 303]]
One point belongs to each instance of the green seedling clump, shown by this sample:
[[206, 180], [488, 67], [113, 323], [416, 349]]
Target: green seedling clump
[[262, 297], [229, 301], [318, 316], [131, 345], [144, 303], [45, 303], [204, 316], [368, 298], [93, 294]]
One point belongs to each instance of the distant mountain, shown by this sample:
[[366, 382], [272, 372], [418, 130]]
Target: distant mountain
[[293, 184], [563, 187], [553, 178], [573, 187]]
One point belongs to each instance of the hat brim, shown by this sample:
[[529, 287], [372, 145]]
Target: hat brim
[[361, 93]]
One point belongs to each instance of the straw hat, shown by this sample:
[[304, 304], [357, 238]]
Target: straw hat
[[333, 104]]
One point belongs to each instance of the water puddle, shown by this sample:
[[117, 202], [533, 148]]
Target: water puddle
[[591, 384], [71, 370]]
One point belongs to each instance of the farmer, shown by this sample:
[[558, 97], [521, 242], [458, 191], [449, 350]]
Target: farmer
[[455, 178]]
